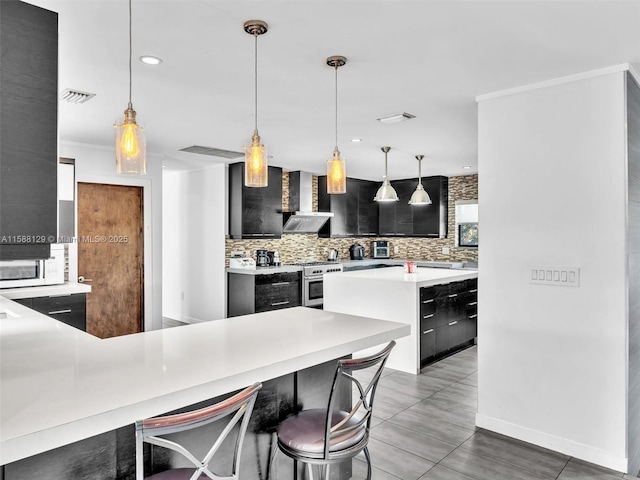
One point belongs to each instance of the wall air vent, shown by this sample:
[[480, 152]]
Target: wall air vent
[[213, 152], [400, 117], [76, 96]]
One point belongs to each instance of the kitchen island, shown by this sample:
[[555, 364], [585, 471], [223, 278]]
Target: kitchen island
[[59, 385], [391, 294]]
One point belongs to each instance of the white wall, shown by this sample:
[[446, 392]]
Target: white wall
[[552, 360], [194, 206], [98, 165]]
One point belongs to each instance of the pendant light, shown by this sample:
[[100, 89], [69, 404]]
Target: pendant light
[[386, 193], [131, 156], [336, 166], [420, 196], [255, 155]]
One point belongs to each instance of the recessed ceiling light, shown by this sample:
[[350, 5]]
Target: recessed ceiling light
[[356, 140], [150, 60], [400, 117], [467, 167]]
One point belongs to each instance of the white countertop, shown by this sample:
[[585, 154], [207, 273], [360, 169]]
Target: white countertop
[[59, 385], [265, 270], [423, 277], [44, 290]]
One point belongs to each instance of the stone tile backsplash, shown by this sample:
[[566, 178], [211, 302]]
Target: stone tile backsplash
[[309, 247]]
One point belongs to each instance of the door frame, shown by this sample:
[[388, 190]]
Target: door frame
[[148, 237]]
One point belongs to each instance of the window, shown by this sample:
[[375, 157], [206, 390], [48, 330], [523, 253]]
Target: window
[[467, 223]]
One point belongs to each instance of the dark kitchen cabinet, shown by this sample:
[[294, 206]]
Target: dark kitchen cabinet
[[248, 293], [401, 219], [28, 127], [69, 309], [255, 212], [354, 212], [448, 319]]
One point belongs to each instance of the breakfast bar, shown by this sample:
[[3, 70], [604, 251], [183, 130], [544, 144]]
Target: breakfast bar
[[59, 385]]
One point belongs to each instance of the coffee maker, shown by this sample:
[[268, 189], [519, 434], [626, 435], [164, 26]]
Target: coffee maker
[[262, 258]]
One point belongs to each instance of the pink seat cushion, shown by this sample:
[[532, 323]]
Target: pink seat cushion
[[305, 431], [176, 474]]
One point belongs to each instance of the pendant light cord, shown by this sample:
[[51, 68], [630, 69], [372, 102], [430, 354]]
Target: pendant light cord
[[130, 54], [255, 64], [336, 107]]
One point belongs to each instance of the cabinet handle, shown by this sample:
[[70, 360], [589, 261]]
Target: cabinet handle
[[56, 312], [63, 295], [453, 295], [453, 323], [473, 291], [427, 331], [473, 316], [277, 284], [473, 303], [279, 303], [428, 301], [428, 316]]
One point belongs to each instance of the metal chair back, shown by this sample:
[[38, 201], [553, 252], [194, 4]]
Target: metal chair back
[[152, 431]]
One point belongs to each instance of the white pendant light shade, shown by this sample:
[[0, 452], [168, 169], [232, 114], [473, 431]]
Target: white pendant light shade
[[386, 193], [131, 146], [336, 166], [256, 168], [420, 196]]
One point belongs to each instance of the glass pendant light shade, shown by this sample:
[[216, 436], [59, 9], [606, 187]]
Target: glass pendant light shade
[[131, 147], [336, 166], [256, 170], [386, 193], [420, 196], [336, 174], [256, 164]]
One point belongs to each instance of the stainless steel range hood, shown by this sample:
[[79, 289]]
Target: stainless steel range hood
[[302, 218]]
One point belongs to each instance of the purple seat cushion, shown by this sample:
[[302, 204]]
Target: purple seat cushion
[[176, 474], [305, 431]]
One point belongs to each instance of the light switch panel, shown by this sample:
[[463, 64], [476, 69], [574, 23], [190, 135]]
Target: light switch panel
[[554, 275]]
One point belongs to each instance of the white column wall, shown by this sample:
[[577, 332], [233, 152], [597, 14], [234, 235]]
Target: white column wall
[[194, 206], [98, 165], [552, 191]]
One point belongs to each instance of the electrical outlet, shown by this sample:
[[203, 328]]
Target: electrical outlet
[[396, 249], [550, 275], [325, 250], [445, 250]]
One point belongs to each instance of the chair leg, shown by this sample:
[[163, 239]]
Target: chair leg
[[310, 471], [366, 454], [326, 471]]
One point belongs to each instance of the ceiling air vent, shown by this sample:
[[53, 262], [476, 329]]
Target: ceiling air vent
[[400, 117], [213, 152], [76, 96]]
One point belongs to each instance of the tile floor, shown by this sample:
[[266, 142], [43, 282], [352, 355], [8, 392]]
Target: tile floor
[[424, 429]]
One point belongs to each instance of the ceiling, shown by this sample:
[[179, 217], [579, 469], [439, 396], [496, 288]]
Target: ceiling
[[427, 58]]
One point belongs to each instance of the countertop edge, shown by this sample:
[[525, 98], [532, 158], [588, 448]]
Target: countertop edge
[[44, 291]]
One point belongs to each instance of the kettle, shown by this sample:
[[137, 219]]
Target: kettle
[[333, 255], [356, 252]]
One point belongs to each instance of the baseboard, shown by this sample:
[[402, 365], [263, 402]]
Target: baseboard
[[552, 442]]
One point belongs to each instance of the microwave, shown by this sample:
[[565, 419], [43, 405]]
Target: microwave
[[380, 249], [29, 273]]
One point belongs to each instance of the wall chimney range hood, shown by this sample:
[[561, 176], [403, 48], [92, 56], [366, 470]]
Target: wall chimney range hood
[[301, 218]]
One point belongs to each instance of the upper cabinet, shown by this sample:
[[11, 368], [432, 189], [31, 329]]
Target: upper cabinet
[[354, 212], [28, 128], [254, 212], [401, 219]]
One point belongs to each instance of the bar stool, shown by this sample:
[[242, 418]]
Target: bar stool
[[152, 431], [324, 437]]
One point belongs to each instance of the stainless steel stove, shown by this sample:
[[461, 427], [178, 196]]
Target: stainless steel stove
[[312, 274]]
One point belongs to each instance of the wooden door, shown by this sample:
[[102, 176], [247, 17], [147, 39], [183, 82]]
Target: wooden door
[[110, 255]]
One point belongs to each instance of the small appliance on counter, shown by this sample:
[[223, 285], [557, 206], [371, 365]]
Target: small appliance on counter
[[333, 255], [356, 252], [276, 259], [380, 249], [28, 273], [262, 258]]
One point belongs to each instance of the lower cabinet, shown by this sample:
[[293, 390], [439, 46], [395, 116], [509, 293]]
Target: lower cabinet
[[448, 319], [248, 293], [70, 309]]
